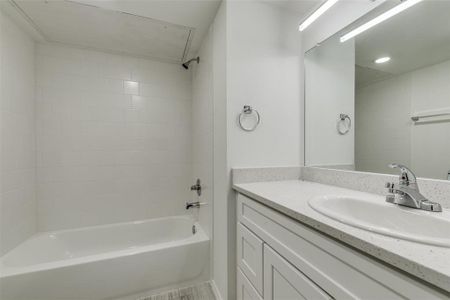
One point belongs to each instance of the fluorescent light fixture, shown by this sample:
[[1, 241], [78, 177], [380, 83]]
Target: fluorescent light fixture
[[315, 15], [382, 60], [383, 17]]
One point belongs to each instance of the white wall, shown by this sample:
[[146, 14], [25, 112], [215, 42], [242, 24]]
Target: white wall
[[256, 63], [17, 165], [202, 130], [330, 91], [113, 138], [385, 132], [221, 180], [262, 70]]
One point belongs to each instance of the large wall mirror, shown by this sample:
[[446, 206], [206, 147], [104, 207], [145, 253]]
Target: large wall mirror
[[382, 96]]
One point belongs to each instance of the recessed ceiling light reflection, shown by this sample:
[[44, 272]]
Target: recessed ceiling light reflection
[[382, 60]]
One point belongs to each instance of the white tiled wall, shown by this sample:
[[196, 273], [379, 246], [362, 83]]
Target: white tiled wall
[[113, 138], [17, 165]]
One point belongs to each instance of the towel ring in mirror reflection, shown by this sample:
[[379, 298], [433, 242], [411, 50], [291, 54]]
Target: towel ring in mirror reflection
[[343, 126], [247, 111]]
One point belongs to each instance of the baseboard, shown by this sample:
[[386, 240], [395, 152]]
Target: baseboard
[[216, 290]]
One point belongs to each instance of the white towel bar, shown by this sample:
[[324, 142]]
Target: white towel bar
[[431, 113]]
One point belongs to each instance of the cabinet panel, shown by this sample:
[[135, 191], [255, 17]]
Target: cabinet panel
[[245, 290], [282, 281], [250, 256], [341, 271]]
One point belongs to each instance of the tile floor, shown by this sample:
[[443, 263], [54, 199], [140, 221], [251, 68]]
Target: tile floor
[[199, 292]]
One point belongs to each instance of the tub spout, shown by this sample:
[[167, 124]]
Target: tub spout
[[194, 204]]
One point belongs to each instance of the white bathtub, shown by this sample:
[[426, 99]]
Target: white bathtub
[[104, 262]]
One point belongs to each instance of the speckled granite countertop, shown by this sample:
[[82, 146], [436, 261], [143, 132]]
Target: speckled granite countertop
[[427, 262]]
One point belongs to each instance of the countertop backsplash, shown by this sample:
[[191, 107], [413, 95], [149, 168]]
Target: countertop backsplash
[[435, 190]]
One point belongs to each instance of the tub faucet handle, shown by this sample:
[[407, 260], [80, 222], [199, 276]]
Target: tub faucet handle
[[197, 187]]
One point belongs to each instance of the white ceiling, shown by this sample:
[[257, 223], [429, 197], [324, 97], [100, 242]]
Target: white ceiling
[[301, 8], [418, 37], [168, 30], [165, 30]]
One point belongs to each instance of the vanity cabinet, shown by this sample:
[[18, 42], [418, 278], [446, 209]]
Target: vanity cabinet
[[250, 256], [279, 258], [245, 289], [283, 281]]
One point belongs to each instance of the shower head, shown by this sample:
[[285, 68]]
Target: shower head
[[186, 64]]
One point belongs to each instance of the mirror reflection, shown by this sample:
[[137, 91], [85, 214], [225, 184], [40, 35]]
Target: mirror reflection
[[382, 96]]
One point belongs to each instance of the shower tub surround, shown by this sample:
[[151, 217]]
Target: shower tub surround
[[290, 197], [102, 262], [114, 132], [95, 142]]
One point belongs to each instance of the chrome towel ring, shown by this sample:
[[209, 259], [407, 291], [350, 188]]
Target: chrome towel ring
[[344, 127], [247, 111]]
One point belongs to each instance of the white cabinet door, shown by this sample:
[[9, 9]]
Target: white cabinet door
[[282, 281], [245, 290], [250, 256]]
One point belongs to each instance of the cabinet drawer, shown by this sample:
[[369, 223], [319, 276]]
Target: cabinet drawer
[[339, 270], [245, 290], [284, 281], [250, 256]]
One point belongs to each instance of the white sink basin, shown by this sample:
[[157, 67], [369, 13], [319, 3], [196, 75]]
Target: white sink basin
[[374, 214]]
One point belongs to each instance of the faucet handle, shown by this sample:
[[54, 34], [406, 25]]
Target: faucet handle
[[197, 187], [390, 198], [390, 186]]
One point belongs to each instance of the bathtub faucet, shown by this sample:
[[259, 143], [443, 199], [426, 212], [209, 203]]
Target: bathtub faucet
[[197, 187], [194, 204]]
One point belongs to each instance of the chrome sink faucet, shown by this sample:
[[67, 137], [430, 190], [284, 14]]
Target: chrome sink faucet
[[407, 193]]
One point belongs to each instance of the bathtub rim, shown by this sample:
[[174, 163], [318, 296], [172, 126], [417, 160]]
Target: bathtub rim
[[199, 236]]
